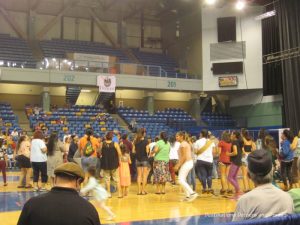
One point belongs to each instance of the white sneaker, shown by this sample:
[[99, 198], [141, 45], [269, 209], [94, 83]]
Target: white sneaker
[[193, 197], [186, 199]]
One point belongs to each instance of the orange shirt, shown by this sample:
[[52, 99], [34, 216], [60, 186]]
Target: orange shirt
[[95, 143]]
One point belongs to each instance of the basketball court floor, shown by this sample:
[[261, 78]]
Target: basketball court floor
[[135, 209]]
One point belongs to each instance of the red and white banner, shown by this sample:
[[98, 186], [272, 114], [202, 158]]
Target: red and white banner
[[106, 83]]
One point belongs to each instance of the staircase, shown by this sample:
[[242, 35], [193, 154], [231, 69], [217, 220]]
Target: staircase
[[23, 121], [72, 94]]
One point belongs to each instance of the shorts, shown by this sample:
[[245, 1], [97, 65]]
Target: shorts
[[23, 161], [142, 164], [224, 164], [111, 174], [87, 162], [244, 160]]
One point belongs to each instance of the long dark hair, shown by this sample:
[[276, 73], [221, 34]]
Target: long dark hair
[[21, 139], [51, 143], [172, 140], [271, 145], [204, 133], [163, 136], [140, 135], [238, 137], [89, 133], [247, 136], [289, 135], [226, 136]]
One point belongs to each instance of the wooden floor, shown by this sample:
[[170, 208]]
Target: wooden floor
[[131, 208]]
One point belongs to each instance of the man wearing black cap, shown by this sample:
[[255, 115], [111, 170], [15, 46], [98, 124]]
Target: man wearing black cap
[[62, 205], [265, 200]]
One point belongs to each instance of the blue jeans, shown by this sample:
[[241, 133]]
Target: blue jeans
[[191, 178], [204, 173], [215, 169]]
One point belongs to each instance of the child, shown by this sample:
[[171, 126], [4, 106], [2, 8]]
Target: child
[[125, 178], [10, 150], [99, 193], [3, 158]]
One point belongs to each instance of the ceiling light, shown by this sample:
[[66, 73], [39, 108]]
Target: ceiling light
[[240, 5], [210, 2], [86, 90], [266, 15]]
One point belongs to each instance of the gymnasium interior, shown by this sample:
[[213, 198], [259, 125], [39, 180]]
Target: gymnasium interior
[[164, 65]]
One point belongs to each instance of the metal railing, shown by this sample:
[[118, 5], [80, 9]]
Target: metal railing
[[106, 67], [96, 66]]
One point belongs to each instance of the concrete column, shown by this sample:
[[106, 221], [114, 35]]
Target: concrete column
[[31, 25], [45, 98], [149, 102], [122, 33], [195, 107]]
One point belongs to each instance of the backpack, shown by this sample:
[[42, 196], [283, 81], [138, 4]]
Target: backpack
[[88, 149]]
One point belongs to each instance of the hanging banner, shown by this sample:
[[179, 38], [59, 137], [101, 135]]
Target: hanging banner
[[106, 83]]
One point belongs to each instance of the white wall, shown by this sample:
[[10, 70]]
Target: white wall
[[27, 89], [252, 98], [248, 30]]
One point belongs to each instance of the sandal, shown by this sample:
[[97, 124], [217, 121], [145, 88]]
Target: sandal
[[29, 186], [144, 193], [21, 186], [157, 193], [139, 193]]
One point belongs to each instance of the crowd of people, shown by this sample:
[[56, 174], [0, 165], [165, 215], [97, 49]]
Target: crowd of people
[[117, 159]]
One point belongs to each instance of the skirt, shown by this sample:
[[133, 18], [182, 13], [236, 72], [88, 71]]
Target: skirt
[[23, 161], [161, 172]]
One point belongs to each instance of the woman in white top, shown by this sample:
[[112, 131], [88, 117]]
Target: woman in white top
[[38, 158], [204, 164]]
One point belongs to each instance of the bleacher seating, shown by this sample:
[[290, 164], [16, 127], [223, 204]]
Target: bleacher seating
[[15, 52], [57, 48], [177, 118], [9, 119], [169, 120], [155, 59], [74, 120], [217, 120]]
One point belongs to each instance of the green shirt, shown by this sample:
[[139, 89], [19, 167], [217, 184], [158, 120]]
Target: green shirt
[[163, 151], [295, 194]]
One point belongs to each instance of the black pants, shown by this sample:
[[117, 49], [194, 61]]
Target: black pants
[[151, 160], [204, 173], [39, 168], [133, 170], [286, 172]]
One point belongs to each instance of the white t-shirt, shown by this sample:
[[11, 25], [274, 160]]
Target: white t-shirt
[[207, 155], [174, 151], [36, 154], [151, 146]]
